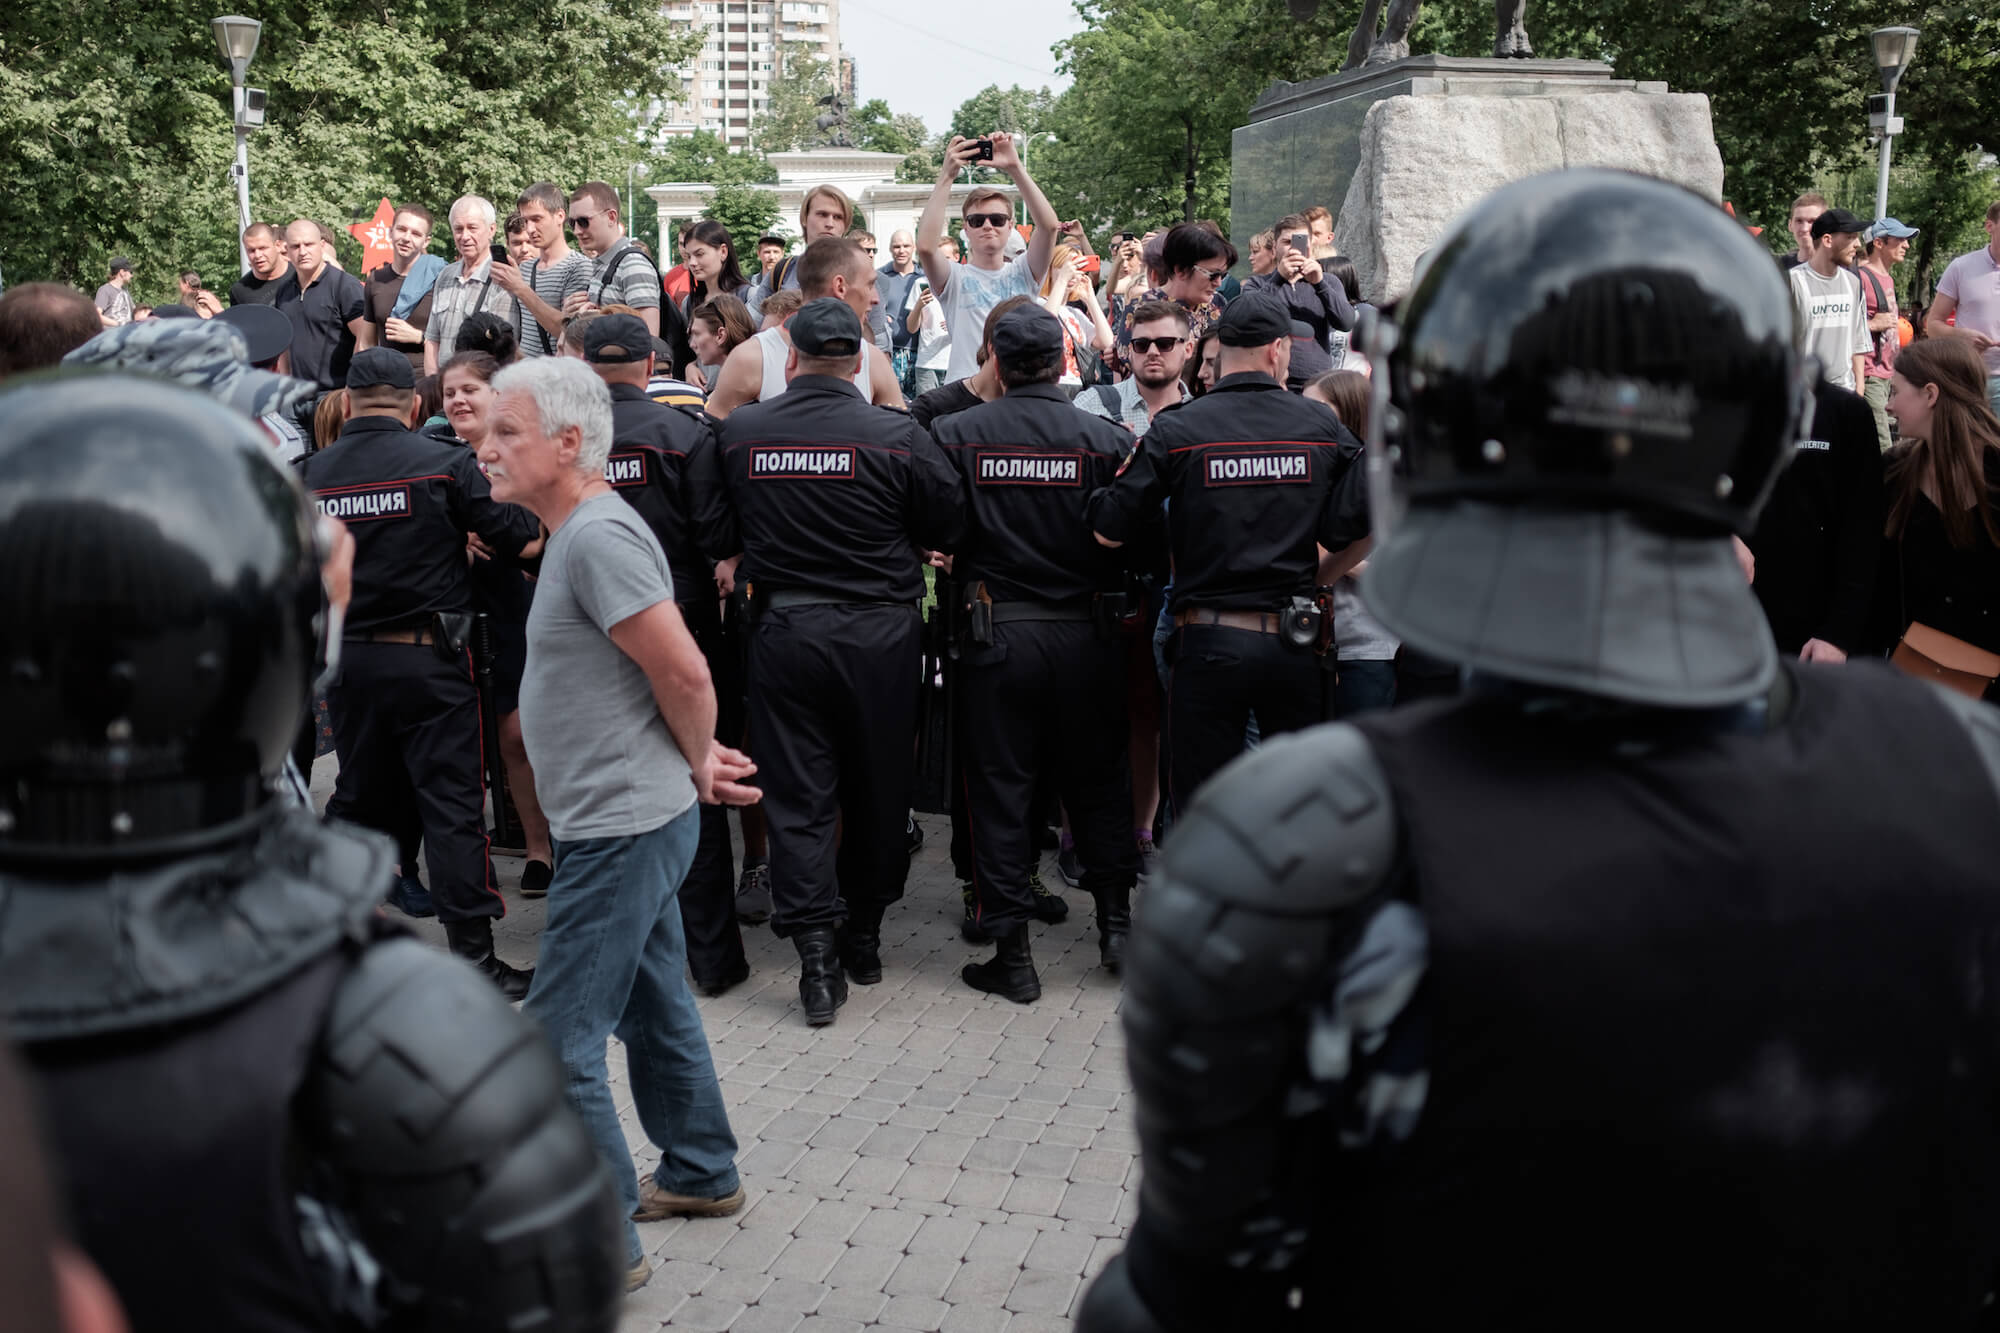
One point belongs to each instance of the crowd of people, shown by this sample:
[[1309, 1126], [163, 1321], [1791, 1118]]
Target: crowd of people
[[783, 526]]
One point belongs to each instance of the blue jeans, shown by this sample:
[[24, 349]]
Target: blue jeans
[[1363, 687], [613, 960], [1993, 393]]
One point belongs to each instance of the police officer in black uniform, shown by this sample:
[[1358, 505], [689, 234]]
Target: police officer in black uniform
[[1263, 486], [251, 1132], [651, 445], [834, 499], [1622, 990], [1041, 684], [405, 709]]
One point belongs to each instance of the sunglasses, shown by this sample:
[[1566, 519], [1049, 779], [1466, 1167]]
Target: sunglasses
[[1145, 345], [867, 249], [987, 219], [582, 223], [1212, 274]]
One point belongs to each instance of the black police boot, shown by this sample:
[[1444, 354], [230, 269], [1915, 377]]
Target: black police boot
[[860, 945], [1049, 904], [1114, 923], [822, 989], [1010, 972], [473, 941]]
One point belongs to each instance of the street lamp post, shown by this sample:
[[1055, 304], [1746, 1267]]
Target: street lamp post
[[1894, 48], [632, 196], [236, 37]]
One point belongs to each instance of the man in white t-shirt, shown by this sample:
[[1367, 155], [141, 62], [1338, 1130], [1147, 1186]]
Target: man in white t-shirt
[[1970, 289], [967, 292], [1833, 317]]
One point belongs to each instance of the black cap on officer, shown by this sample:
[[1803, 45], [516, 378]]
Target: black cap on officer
[[1591, 386], [618, 339], [267, 330], [1253, 321], [826, 328], [380, 368], [1027, 341], [159, 614]]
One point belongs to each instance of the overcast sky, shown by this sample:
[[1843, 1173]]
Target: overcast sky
[[925, 59]]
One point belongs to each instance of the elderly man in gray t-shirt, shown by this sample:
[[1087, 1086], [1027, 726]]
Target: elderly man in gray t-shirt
[[615, 702]]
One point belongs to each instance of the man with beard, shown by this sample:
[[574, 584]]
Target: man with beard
[[1159, 354]]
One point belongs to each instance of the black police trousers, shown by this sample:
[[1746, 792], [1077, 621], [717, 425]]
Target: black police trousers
[[406, 728], [1044, 702], [833, 727], [708, 894], [1218, 678]]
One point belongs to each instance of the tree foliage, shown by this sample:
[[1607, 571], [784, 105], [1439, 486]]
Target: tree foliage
[[115, 120], [1160, 84], [746, 212], [801, 79], [703, 156]]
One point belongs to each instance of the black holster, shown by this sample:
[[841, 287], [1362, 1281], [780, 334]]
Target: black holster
[[451, 631]]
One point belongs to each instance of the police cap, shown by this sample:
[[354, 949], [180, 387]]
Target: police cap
[[1253, 321], [265, 328], [826, 327], [380, 368], [617, 339], [1027, 339]]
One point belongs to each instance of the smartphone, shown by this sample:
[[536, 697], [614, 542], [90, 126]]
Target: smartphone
[[1125, 236], [500, 255], [983, 152], [1299, 242]]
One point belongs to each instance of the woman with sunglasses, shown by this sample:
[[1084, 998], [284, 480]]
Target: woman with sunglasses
[[1195, 259]]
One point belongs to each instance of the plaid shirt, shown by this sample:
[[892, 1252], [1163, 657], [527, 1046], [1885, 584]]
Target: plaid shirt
[[454, 298]]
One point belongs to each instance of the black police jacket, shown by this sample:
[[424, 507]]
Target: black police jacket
[[1027, 462], [651, 444], [1817, 540], [409, 501], [1258, 478], [826, 492]]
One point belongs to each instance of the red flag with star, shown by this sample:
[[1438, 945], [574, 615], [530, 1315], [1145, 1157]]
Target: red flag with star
[[374, 237]]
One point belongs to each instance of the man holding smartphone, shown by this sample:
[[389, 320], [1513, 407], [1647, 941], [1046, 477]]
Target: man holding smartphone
[[966, 292], [1297, 279], [465, 287]]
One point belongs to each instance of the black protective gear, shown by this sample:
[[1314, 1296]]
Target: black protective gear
[[822, 985], [472, 940], [159, 615], [1010, 972], [1600, 338], [445, 1139]]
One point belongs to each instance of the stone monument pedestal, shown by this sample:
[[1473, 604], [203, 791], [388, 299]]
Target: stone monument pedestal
[[1399, 150]]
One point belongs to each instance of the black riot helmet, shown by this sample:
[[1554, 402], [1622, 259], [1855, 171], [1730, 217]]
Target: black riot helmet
[[159, 615], [1592, 383]]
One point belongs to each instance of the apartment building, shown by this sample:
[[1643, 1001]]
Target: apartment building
[[728, 86]]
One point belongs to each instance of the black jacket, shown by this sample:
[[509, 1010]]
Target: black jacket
[[1817, 539], [1028, 462], [822, 491], [1258, 479], [409, 500], [651, 448]]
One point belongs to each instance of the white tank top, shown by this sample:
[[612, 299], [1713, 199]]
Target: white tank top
[[777, 351]]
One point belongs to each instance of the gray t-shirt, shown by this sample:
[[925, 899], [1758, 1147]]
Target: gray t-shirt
[[605, 764], [621, 276]]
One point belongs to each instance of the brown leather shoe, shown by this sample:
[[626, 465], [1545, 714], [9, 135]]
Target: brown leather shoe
[[656, 1203]]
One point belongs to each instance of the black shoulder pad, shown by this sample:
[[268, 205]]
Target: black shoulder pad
[[1266, 879], [435, 1112]]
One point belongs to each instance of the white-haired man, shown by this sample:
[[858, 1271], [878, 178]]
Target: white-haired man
[[465, 287], [620, 761]]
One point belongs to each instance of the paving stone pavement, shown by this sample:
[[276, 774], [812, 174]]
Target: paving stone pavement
[[936, 1159]]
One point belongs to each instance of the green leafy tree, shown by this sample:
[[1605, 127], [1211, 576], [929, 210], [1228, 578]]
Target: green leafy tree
[[702, 157], [116, 120], [747, 212], [1016, 110]]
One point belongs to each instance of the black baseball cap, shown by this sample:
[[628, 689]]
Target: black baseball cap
[[1836, 222], [175, 310], [1253, 321], [380, 368], [266, 328], [1028, 339], [826, 327], [617, 340]]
